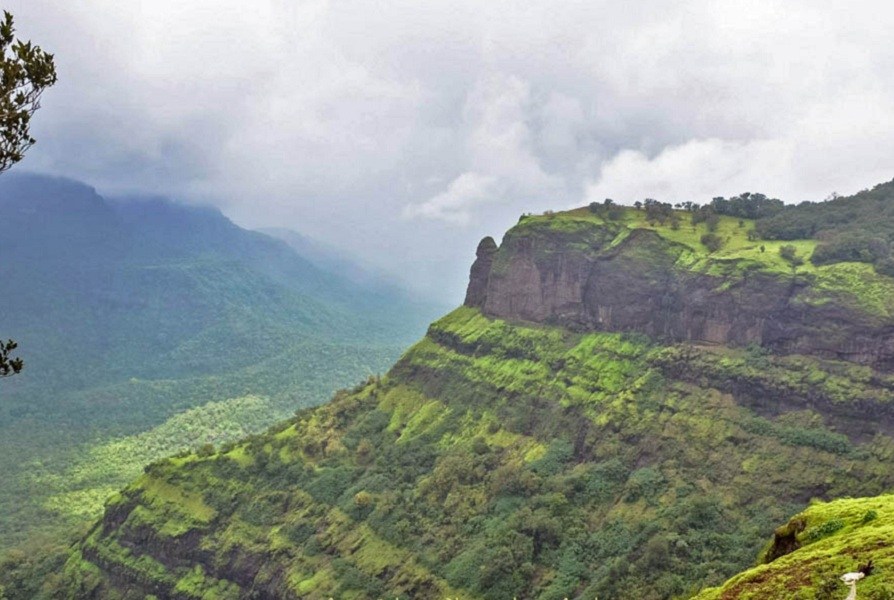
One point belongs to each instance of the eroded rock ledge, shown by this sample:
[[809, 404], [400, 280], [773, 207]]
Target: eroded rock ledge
[[602, 277]]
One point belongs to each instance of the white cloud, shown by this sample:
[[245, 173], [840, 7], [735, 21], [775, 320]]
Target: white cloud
[[697, 170], [455, 204], [499, 153], [370, 124]]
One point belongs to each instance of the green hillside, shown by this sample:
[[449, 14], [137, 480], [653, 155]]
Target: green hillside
[[498, 460], [829, 539], [627, 406], [148, 328]]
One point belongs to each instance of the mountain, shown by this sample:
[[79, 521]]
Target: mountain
[[129, 312], [628, 404]]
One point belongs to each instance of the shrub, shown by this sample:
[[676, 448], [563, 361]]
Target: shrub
[[608, 210], [820, 531], [790, 254], [712, 242], [206, 450]]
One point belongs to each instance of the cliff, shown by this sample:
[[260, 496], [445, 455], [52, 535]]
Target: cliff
[[581, 272]]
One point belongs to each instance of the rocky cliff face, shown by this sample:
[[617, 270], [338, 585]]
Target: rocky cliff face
[[604, 276]]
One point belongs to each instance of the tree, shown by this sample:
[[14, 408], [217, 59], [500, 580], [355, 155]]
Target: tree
[[608, 210], [9, 365], [712, 242], [657, 211], [25, 72], [790, 254]]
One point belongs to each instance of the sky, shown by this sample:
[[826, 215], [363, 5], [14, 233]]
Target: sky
[[402, 132]]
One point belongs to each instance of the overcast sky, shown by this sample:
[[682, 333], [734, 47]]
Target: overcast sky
[[403, 132]]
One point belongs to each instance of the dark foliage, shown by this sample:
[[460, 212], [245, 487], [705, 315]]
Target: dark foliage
[[9, 365], [790, 254], [661, 212], [608, 210], [855, 228], [747, 206], [712, 241], [25, 72]]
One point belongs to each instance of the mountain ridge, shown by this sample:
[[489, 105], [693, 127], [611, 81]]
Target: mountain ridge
[[525, 448], [130, 312]]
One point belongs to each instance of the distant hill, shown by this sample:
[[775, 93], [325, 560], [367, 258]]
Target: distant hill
[[130, 311], [626, 407]]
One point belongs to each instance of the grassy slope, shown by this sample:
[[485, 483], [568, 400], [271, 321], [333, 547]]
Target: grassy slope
[[498, 460], [837, 537]]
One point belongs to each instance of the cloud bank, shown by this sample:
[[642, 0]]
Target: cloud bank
[[405, 131]]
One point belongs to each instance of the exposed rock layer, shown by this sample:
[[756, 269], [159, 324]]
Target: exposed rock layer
[[588, 282]]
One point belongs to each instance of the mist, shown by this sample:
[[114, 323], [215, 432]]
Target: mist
[[402, 133]]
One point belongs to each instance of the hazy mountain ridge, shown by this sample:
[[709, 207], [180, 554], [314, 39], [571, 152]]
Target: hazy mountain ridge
[[129, 311], [589, 443]]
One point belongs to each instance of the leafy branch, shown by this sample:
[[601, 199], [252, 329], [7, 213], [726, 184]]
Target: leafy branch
[[9, 365], [25, 72]]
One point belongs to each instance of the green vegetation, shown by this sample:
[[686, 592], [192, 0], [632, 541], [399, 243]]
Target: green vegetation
[[843, 229], [26, 72], [66, 470], [734, 252], [847, 229], [825, 541], [851, 229], [790, 254], [712, 242], [498, 460], [9, 364], [151, 329]]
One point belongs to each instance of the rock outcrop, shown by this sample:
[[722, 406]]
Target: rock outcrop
[[476, 293], [605, 277]]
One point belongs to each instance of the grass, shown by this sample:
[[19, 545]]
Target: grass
[[871, 292], [837, 537], [736, 245], [163, 495]]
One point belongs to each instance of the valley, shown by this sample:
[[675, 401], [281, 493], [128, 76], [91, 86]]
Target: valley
[[151, 328]]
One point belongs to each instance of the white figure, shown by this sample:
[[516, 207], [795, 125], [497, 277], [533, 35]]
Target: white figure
[[851, 580]]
